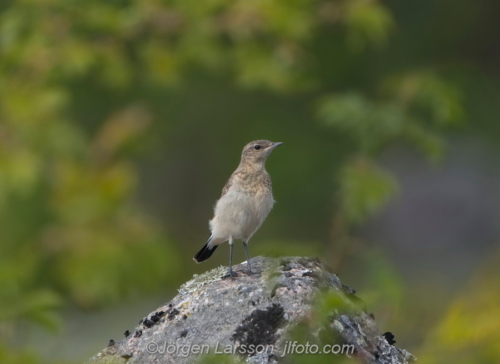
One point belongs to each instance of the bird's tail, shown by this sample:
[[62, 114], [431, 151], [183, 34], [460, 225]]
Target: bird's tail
[[205, 252]]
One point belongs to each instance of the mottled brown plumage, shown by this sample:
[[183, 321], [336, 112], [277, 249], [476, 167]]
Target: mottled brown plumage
[[246, 200], [252, 181], [252, 170]]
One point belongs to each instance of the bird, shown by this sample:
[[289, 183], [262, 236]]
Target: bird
[[246, 200]]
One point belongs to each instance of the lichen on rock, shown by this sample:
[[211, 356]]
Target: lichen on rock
[[199, 281], [215, 314]]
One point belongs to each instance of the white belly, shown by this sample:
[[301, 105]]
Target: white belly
[[239, 215]]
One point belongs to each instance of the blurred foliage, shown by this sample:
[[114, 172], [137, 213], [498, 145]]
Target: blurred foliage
[[417, 107], [86, 241], [218, 359], [84, 86], [10, 357], [368, 22], [319, 330], [470, 329], [364, 189]]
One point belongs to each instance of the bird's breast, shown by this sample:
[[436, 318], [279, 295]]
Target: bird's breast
[[240, 214]]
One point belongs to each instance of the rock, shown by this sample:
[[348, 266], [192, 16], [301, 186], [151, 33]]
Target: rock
[[256, 318]]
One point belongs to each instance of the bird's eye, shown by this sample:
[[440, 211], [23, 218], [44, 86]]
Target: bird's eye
[[257, 147]]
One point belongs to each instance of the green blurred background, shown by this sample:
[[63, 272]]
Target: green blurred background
[[120, 122]]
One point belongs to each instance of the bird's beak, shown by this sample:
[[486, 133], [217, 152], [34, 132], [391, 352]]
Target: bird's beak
[[276, 145]]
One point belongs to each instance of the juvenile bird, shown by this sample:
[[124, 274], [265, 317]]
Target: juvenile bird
[[245, 203]]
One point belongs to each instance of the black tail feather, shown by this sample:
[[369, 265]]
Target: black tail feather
[[205, 252]]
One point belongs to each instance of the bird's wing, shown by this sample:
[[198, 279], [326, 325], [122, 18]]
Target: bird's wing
[[228, 184]]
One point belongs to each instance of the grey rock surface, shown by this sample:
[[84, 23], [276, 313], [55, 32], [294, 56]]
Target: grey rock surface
[[255, 317]]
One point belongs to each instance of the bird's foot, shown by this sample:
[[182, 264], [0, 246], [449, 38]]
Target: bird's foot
[[230, 274], [249, 270]]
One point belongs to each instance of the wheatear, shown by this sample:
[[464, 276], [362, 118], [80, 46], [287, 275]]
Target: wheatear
[[245, 203]]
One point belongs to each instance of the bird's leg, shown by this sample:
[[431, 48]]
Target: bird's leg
[[230, 258], [245, 245], [231, 273]]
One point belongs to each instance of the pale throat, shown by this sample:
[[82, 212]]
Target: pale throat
[[254, 165]]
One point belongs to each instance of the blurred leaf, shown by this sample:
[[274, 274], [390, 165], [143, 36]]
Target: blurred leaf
[[409, 115], [37, 305], [18, 271], [430, 144], [370, 125], [346, 112], [261, 66], [318, 329], [368, 22], [293, 19], [364, 189], [429, 95], [329, 304], [41, 306], [119, 129], [85, 194], [384, 285]]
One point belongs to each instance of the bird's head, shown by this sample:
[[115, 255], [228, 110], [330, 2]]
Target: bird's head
[[255, 153]]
